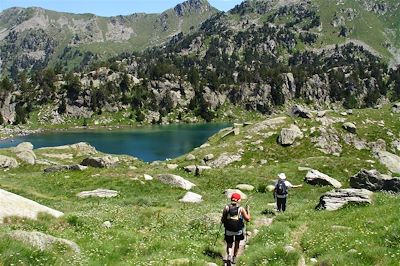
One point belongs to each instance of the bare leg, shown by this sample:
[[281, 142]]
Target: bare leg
[[228, 249], [236, 248]]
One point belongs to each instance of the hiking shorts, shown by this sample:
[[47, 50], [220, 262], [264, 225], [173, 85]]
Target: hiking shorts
[[231, 239]]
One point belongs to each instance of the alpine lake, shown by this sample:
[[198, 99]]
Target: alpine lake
[[149, 144]]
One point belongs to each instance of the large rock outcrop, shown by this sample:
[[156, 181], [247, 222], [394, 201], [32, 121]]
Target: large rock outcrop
[[225, 159], [24, 151], [42, 241], [374, 181], [7, 162], [289, 135], [336, 199], [390, 160], [314, 177], [14, 205], [175, 180], [79, 149]]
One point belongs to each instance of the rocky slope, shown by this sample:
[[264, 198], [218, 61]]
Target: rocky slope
[[34, 37]]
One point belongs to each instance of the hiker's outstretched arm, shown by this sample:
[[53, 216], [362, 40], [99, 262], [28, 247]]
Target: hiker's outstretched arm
[[246, 215], [295, 186]]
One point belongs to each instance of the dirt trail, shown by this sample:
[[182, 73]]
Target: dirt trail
[[258, 223]]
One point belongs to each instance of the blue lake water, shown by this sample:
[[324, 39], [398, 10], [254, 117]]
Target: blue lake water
[[147, 143]]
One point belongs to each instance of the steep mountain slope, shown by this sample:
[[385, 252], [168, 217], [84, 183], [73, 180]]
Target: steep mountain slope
[[33, 37]]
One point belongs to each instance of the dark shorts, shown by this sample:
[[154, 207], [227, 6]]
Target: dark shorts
[[231, 239]]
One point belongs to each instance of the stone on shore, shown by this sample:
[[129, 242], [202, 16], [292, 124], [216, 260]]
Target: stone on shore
[[8, 162], [100, 162]]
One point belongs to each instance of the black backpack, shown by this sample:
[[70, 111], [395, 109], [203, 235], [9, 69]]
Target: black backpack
[[233, 220], [281, 188]]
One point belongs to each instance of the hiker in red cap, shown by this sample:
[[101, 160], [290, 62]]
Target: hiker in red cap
[[232, 218]]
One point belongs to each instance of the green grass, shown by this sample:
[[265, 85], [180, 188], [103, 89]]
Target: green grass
[[151, 227]]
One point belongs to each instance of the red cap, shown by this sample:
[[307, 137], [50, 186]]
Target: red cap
[[235, 196]]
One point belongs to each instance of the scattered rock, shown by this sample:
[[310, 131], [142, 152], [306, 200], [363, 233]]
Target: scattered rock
[[300, 111], [270, 188], [58, 168], [289, 135], [42, 241], [374, 181], [289, 249], [313, 260], [100, 193], [107, 224], [315, 177], [350, 127], [190, 157], [172, 166], [341, 228], [321, 114], [228, 193], [147, 177], [8, 162], [352, 139], [271, 123], [100, 162], [175, 180], [396, 108], [245, 187], [396, 145], [263, 161], [24, 151], [338, 198], [14, 205], [225, 159], [379, 145], [208, 157], [79, 149], [390, 160], [205, 145], [328, 142], [191, 197]]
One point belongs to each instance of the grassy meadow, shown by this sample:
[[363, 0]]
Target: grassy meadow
[[151, 227]]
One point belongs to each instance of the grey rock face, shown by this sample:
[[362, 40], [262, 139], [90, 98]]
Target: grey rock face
[[289, 135], [225, 159], [191, 197], [100, 193], [379, 145], [176, 181], [300, 111], [350, 127], [328, 142], [42, 241], [374, 181], [390, 160], [14, 205], [100, 162], [8, 162], [338, 198], [354, 140], [315, 177]]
